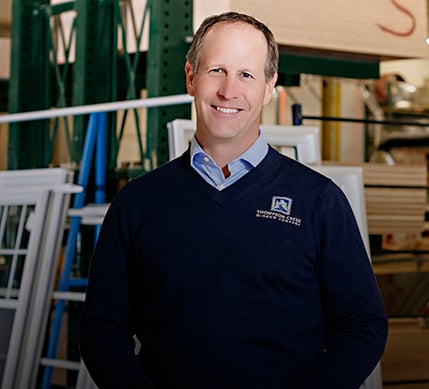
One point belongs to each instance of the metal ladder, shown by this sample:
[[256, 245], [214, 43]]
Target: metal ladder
[[95, 141]]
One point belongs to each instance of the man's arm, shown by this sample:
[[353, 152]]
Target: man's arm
[[356, 319], [105, 334]]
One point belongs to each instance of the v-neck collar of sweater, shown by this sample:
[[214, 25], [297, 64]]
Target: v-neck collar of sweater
[[251, 181]]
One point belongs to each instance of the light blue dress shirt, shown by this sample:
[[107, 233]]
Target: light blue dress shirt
[[207, 168]]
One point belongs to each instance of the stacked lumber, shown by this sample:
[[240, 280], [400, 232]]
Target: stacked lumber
[[396, 197]]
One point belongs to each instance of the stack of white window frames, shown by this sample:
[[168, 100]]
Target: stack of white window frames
[[33, 208]]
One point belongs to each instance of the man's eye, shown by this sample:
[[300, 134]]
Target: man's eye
[[246, 75], [216, 70]]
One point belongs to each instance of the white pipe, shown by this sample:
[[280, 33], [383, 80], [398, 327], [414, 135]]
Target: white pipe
[[93, 108]]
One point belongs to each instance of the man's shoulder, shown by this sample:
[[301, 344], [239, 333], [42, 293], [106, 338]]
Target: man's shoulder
[[291, 167]]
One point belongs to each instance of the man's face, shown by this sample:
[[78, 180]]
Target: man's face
[[229, 87]]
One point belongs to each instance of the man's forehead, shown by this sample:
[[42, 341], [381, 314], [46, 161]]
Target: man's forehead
[[229, 31], [236, 25]]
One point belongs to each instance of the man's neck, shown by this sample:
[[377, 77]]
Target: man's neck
[[225, 152]]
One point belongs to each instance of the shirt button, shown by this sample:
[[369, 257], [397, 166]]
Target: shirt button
[[206, 159], [221, 187]]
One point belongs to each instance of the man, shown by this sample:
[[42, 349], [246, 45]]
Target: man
[[233, 266]]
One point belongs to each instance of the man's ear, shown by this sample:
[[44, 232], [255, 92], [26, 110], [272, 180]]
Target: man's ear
[[189, 72], [269, 89]]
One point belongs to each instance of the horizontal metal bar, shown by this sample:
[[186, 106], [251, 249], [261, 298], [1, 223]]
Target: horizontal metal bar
[[152, 102], [69, 296], [8, 304], [56, 9], [293, 61], [13, 251], [61, 363], [14, 293], [369, 121]]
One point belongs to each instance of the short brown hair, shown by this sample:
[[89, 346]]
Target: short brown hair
[[271, 63]]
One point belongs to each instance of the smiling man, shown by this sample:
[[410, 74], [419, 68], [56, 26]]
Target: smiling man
[[233, 265], [230, 87]]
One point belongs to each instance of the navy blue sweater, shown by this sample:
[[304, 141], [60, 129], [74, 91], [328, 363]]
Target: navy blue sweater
[[263, 285]]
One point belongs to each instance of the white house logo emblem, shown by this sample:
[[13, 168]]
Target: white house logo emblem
[[281, 204]]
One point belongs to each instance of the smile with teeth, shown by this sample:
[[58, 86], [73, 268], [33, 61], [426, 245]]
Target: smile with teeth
[[227, 110]]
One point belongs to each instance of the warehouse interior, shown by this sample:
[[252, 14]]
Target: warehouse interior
[[360, 76]]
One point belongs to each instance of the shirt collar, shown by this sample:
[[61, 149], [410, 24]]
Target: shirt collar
[[253, 155]]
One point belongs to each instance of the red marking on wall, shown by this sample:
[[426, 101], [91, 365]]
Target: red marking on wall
[[401, 33]]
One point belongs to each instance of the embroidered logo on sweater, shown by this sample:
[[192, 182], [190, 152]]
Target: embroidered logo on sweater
[[281, 208], [281, 204]]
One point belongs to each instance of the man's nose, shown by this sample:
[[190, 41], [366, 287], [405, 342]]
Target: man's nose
[[229, 88]]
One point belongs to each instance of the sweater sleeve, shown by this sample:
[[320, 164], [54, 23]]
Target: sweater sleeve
[[356, 321], [105, 331]]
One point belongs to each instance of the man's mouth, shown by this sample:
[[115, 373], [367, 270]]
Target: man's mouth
[[227, 110]]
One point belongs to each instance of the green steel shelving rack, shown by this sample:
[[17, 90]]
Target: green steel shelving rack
[[99, 73], [29, 85]]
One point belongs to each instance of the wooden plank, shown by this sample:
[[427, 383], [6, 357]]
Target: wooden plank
[[373, 210], [405, 195], [393, 227], [384, 29], [396, 175]]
